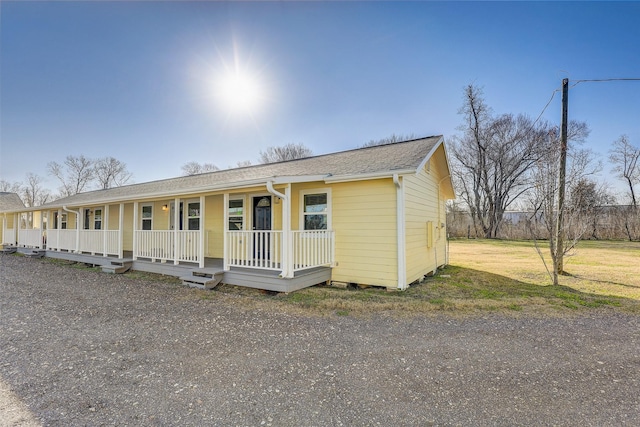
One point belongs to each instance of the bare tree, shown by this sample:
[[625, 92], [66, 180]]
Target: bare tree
[[75, 174], [626, 160], [492, 160], [243, 163], [110, 172], [195, 168], [33, 193], [285, 152], [10, 187], [542, 196], [392, 139]]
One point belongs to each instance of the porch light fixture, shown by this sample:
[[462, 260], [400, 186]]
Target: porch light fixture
[[165, 207]]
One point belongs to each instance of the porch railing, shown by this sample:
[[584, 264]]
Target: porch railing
[[31, 238], [312, 248], [255, 249], [161, 245], [62, 240], [8, 236], [93, 241], [264, 249]]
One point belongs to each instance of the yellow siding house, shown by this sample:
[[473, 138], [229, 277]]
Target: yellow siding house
[[369, 216]]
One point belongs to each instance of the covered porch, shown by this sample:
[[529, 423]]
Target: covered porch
[[247, 234]]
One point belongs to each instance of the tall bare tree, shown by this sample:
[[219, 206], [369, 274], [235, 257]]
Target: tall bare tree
[[626, 160], [492, 159], [110, 172], [285, 152], [75, 174], [33, 192], [542, 195], [195, 168]]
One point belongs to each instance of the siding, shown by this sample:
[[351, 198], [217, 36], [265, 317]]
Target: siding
[[214, 226], [364, 221], [424, 203]]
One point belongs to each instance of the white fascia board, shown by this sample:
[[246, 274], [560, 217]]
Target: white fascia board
[[367, 176], [158, 194], [424, 161]]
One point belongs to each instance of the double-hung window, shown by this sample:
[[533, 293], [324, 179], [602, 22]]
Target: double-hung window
[[97, 219], [193, 215], [316, 210], [147, 217], [236, 214]]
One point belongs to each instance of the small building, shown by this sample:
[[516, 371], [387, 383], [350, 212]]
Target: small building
[[369, 216]]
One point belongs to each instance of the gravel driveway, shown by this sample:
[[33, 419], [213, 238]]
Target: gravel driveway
[[79, 347]]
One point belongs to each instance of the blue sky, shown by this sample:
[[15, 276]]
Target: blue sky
[[136, 80]]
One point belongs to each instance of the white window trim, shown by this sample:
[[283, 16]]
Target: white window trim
[[97, 218], [301, 214], [185, 223], [244, 211], [142, 218], [250, 212]]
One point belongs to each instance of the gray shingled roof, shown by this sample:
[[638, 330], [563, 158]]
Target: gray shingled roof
[[10, 201], [402, 156]]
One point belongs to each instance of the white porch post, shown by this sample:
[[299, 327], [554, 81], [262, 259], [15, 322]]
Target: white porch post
[[58, 228], [135, 228], [16, 228], [288, 235], [176, 226], [121, 232], [225, 227], [201, 232], [41, 225], [105, 228], [79, 223]]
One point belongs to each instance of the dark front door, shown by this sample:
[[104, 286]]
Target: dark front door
[[261, 222]]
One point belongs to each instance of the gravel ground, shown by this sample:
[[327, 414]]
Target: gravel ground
[[79, 347]]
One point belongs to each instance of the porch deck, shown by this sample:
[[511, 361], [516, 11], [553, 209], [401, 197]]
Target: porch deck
[[238, 276]]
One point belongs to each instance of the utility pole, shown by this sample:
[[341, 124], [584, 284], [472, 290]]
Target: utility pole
[[559, 231]]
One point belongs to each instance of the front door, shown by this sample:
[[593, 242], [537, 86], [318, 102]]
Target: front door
[[261, 222], [172, 217]]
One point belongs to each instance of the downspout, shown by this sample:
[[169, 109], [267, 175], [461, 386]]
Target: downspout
[[446, 252], [287, 262], [77, 214], [400, 225]]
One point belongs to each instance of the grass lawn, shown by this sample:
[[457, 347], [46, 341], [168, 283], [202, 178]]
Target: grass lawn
[[483, 276], [495, 275]]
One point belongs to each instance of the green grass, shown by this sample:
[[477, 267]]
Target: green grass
[[485, 276]]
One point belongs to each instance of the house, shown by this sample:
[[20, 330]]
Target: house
[[9, 202], [369, 216]]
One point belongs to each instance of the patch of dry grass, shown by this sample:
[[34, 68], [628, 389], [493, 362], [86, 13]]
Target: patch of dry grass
[[601, 268]]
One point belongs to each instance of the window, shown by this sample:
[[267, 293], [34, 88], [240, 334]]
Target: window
[[97, 219], [236, 214], [62, 218], [315, 210], [87, 218], [193, 215], [147, 217]]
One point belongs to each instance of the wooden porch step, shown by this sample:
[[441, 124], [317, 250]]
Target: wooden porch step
[[118, 266], [203, 278], [9, 250], [36, 253]]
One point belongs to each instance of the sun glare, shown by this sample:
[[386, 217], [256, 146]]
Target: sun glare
[[239, 92]]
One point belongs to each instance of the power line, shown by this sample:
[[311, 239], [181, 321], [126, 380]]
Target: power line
[[606, 80]]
